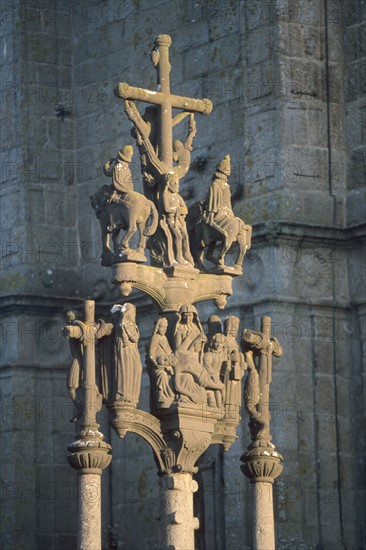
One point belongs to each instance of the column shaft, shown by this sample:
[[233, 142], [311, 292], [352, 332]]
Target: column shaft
[[177, 522], [89, 512], [263, 533]]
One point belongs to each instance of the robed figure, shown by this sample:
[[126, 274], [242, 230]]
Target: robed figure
[[160, 361], [128, 368]]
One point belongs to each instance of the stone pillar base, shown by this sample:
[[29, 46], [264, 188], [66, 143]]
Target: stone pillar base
[[177, 523]]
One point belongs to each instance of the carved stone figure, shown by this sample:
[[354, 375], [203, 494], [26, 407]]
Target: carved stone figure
[[182, 151], [258, 349], [214, 221], [214, 326], [127, 357], [117, 207], [214, 361], [74, 378], [174, 211], [145, 133], [119, 170], [252, 396], [160, 362], [192, 379], [235, 370], [106, 363]]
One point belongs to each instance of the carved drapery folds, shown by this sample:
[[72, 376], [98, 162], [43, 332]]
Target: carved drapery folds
[[195, 379], [180, 240], [195, 389], [178, 254]]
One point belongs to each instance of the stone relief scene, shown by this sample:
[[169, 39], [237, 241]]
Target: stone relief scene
[[183, 285]]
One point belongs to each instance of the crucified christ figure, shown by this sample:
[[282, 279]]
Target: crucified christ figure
[[144, 132]]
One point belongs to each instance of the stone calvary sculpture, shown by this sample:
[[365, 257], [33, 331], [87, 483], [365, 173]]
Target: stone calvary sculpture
[[196, 377]]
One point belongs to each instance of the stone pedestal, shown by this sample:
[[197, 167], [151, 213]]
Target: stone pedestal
[[177, 522], [90, 455]]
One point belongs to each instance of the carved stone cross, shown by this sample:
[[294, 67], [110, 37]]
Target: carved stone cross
[[263, 346], [85, 332], [164, 99]]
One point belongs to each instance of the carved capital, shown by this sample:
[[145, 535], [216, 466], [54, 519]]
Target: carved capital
[[178, 438], [261, 462], [89, 453], [172, 287]]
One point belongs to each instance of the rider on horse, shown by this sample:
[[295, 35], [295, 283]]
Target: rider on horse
[[219, 211]]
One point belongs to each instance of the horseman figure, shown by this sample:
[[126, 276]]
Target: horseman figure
[[118, 206], [218, 223]]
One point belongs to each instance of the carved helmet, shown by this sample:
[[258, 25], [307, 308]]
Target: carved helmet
[[219, 337], [187, 308], [224, 166], [125, 153], [232, 323], [214, 324]]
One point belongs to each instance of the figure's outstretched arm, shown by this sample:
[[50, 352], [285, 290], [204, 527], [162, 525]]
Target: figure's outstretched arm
[[143, 131], [136, 119], [192, 131]]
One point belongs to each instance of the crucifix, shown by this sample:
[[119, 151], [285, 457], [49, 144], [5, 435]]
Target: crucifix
[[163, 99], [89, 454], [261, 462]]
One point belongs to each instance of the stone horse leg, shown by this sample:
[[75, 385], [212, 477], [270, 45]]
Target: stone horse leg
[[132, 228], [244, 240], [232, 232], [142, 240], [115, 238]]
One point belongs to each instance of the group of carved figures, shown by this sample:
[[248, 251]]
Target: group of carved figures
[[161, 212], [189, 369], [196, 370]]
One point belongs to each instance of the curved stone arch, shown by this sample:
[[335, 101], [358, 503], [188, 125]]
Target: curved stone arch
[[126, 419]]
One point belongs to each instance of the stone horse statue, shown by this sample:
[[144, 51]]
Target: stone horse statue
[[128, 211], [205, 237]]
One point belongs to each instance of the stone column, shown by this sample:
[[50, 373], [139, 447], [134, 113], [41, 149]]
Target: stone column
[[89, 454], [177, 522], [262, 466], [89, 512]]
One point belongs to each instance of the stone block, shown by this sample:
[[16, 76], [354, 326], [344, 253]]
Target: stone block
[[100, 42], [356, 207], [314, 42], [194, 34], [291, 40], [335, 48], [205, 59], [355, 123], [296, 125], [35, 206], [10, 209], [259, 45], [304, 80], [356, 169], [9, 17], [305, 167], [353, 12], [355, 80], [294, 11]]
